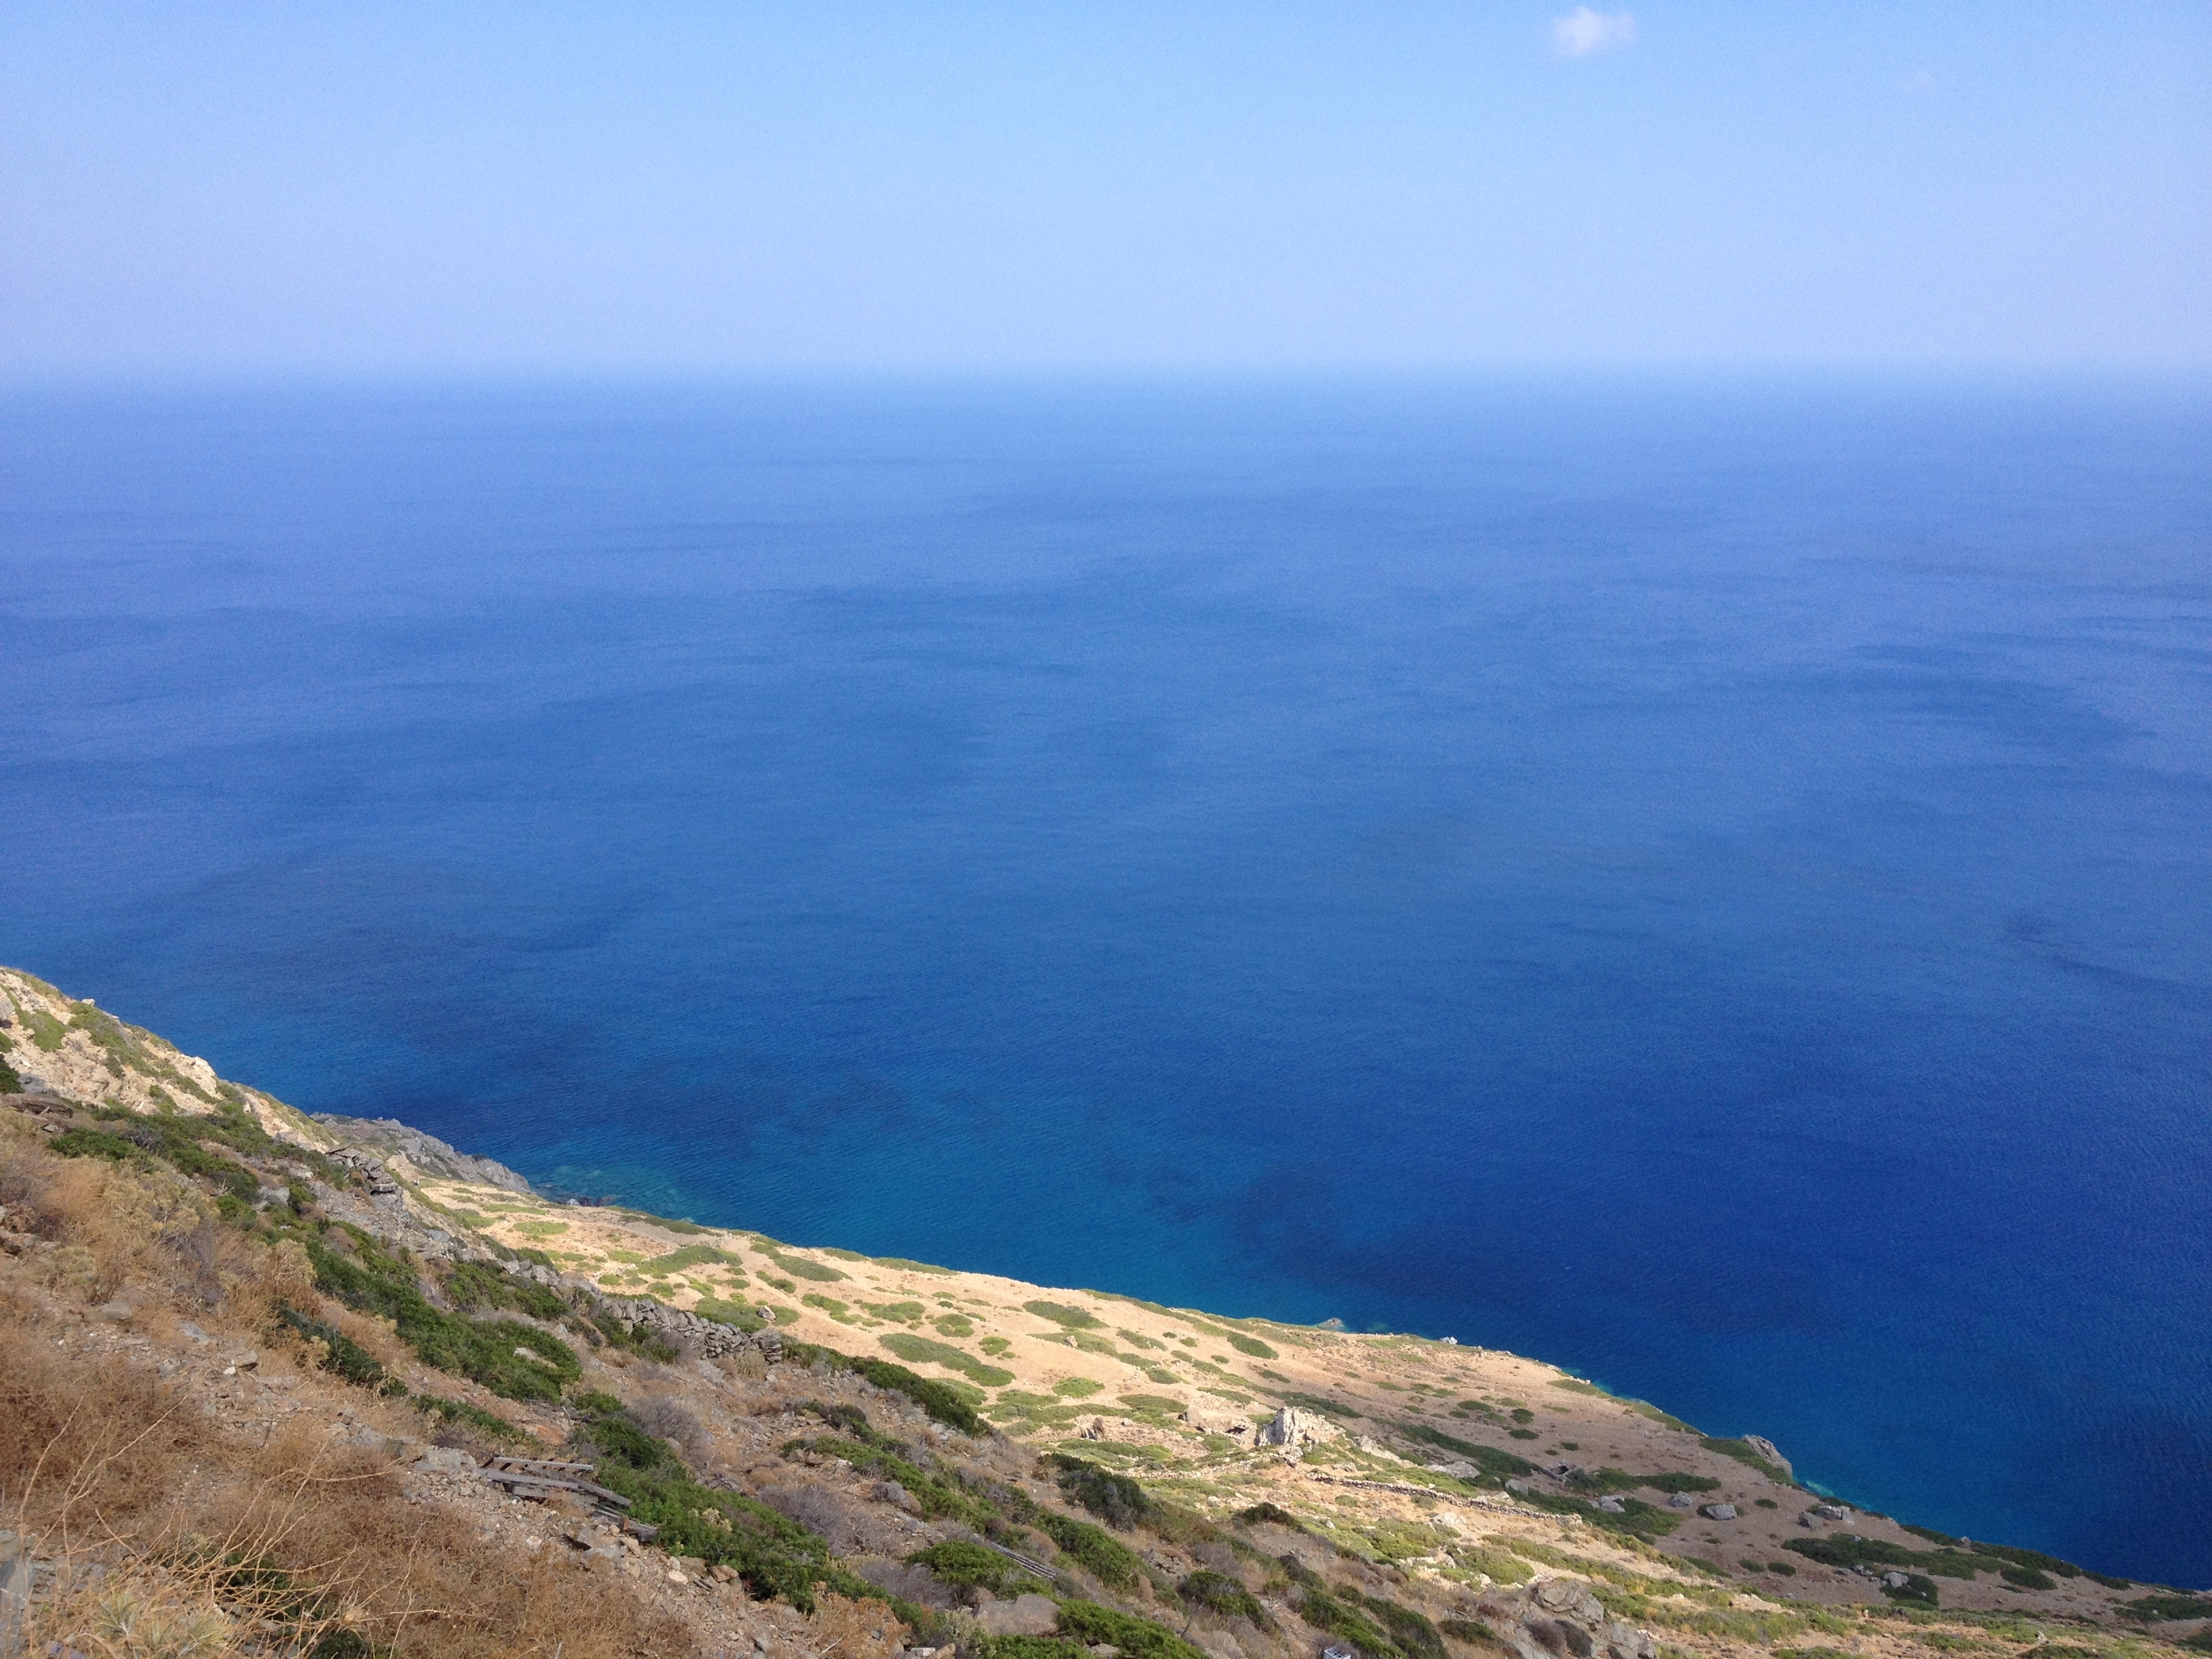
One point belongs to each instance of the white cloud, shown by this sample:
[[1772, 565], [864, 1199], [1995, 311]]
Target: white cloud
[[1583, 32]]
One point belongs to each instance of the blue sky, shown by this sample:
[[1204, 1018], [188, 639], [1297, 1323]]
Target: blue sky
[[249, 188]]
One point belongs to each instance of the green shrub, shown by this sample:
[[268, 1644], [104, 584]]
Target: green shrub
[[935, 1496], [344, 1357], [2160, 1608], [1918, 1590], [1840, 1551], [47, 1032], [1251, 1345], [1635, 1518], [918, 1350], [374, 1281], [1315, 1402], [774, 1556], [965, 1565], [939, 1399], [1094, 1549], [799, 1267], [1157, 1404], [901, 1263], [1343, 1617], [1073, 1319], [438, 1407], [664, 1223], [1270, 1514], [1077, 1388], [94, 1143], [1217, 1592], [729, 1313], [1472, 1631], [1744, 1455], [1137, 1639], [1114, 1498], [1499, 1465]]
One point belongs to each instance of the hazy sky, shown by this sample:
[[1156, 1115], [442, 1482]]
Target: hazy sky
[[1120, 186]]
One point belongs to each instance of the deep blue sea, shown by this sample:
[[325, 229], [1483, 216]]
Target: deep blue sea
[[1706, 883]]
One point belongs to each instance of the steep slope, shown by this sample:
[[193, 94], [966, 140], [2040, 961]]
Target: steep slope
[[806, 1448]]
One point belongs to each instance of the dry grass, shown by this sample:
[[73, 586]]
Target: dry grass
[[160, 1523], [844, 1629], [171, 1535]]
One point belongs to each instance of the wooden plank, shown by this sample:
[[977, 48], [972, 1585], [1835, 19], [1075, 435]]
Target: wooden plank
[[539, 1466], [516, 1480]]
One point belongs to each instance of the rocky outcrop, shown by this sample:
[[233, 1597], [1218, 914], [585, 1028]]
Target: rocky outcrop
[[1291, 1428], [712, 1339], [1767, 1450], [1561, 1619], [1025, 1615], [428, 1154]]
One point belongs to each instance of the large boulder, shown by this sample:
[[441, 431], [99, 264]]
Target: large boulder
[[1572, 1597], [1025, 1615], [1767, 1450], [1291, 1427]]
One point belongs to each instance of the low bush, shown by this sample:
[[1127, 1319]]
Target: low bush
[[1745, 1456], [918, 1350], [967, 1566], [939, 1399], [2160, 1608], [1094, 1549], [1217, 1592], [774, 1555], [1114, 1498], [1073, 1319], [510, 1359], [1496, 1464], [1918, 1590], [1138, 1639]]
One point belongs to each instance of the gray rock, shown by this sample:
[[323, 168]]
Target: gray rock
[[1613, 1505], [1718, 1511], [1893, 1580], [1570, 1596], [1025, 1615], [1290, 1427], [426, 1152], [446, 1460], [1627, 1642], [1767, 1450], [1681, 1500], [1561, 1637]]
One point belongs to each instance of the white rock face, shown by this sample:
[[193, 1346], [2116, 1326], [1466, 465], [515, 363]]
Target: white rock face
[[1767, 1450], [1291, 1427]]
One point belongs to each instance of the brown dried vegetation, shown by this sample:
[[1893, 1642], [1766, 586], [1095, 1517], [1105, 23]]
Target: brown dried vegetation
[[172, 1535]]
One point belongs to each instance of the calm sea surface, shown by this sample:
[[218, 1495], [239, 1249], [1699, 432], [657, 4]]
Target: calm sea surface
[[1708, 885]]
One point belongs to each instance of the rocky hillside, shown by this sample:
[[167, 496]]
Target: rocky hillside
[[274, 1384]]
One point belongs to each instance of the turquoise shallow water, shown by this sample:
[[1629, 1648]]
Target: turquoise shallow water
[[1707, 884]]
